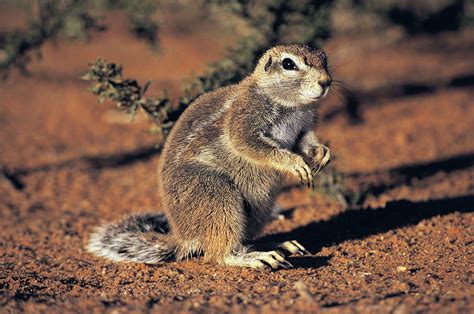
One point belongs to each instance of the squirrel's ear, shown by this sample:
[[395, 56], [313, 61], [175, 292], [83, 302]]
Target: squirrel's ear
[[268, 64]]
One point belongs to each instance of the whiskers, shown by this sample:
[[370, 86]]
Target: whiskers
[[342, 85], [341, 90], [350, 101]]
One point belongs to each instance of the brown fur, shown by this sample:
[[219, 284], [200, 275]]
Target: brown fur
[[221, 170], [223, 164]]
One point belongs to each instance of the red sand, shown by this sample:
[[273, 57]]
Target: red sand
[[66, 169]]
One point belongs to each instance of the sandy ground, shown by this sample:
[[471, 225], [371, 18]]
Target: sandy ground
[[68, 164]]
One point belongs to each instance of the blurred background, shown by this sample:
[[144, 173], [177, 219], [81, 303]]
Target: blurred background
[[399, 122]]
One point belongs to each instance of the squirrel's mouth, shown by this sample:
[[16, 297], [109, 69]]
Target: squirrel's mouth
[[317, 97]]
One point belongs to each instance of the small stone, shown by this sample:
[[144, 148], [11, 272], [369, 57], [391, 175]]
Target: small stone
[[303, 291], [401, 269], [179, 298]]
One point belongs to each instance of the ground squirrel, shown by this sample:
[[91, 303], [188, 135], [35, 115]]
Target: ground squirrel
[[223, 164]]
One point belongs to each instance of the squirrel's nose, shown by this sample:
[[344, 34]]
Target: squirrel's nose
[[325, 81]]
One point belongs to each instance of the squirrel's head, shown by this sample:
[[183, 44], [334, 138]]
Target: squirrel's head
[[293, 75]]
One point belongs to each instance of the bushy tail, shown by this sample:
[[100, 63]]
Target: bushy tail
[[142, 238]]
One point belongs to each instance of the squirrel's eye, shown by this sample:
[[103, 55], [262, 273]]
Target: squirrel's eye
[[289, 64]]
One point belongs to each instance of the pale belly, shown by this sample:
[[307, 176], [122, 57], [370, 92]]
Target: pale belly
[[286, 131]]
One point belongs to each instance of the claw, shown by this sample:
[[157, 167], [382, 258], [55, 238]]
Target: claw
[[301, 176], [305, 175], [302, 250], [293, 247], [285, 264], [309, 177], [275, 259], [321, 158], [258, 260]]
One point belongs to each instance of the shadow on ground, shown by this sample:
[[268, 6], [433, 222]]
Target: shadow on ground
[[405, 174], [358, 224], [88, 162]]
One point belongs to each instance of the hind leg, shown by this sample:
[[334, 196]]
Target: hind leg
[[206, 212]]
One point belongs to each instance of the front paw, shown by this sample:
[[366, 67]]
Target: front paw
[[321, 157], [301, 169]]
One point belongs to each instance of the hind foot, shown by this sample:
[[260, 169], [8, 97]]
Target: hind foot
[[273, 259], [293, 247], [287, 247]]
